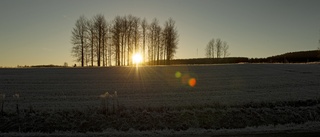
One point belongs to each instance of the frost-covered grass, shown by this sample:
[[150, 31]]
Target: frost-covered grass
[[152, 98], [308, 129], [156, 86], [163, 118]]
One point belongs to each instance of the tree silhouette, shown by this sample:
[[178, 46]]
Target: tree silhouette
[[97, 41], [170, 36], [210, 49], [125, 35], [220, 47], [144, 26], [154, 38], [136, 34], [79, 33], [225, 48], [91, 38], [130, 20], [158, 43], [116, 38], [100, 27]]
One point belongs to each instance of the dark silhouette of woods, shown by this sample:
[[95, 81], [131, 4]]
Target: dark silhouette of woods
[[217, 48], [295, 57], [97, 42]]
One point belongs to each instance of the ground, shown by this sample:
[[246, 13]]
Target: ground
[[230, 86]]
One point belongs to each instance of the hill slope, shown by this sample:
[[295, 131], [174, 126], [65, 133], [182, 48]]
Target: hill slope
[[296, 57]]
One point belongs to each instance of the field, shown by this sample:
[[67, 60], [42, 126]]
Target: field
[[60, 88], [192, 90]]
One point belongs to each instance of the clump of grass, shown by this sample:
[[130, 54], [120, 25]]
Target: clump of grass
[[159, 118], [295, 103], [105, 102], [115, 100], [2, 99], [16, 96]]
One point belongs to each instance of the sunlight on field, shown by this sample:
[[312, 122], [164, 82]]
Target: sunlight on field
[[159, 85], [137, 58]]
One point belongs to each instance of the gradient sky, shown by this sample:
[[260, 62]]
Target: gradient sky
[[34, 32]]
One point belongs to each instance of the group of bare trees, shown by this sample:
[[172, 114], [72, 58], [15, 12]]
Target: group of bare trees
[[217, 48], [96, 41]]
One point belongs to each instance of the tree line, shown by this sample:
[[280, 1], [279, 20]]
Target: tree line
[[101, 43], [217, 48]]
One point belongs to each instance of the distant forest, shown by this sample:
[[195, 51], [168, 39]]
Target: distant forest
[[292, 57], [97, 42]]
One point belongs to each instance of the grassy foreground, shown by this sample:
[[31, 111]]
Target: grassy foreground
[[214, 116]]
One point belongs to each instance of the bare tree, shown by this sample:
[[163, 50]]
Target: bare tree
[[158, 43], [100, 26], [152, 39], [210, 49], [225, 48], [91, 38], [170, 36], [105, 44], [124, 37], [116, 38], [79, 33], [76, 53], [86, 53], [144, 26], [219, 47], [136, 33], [130, 33]]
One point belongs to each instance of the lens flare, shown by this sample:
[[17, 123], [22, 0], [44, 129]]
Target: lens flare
[[185, 78], [192, 82], [178, 74]]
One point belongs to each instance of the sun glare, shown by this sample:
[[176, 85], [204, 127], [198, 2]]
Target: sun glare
[[137, 58]]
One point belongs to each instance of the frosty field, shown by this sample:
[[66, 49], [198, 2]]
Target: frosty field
[[163, 100], [154, 86]]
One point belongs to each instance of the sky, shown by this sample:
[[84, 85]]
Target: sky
[[38, 32]]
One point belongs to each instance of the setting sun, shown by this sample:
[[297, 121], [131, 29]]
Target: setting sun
[[137, 58]]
